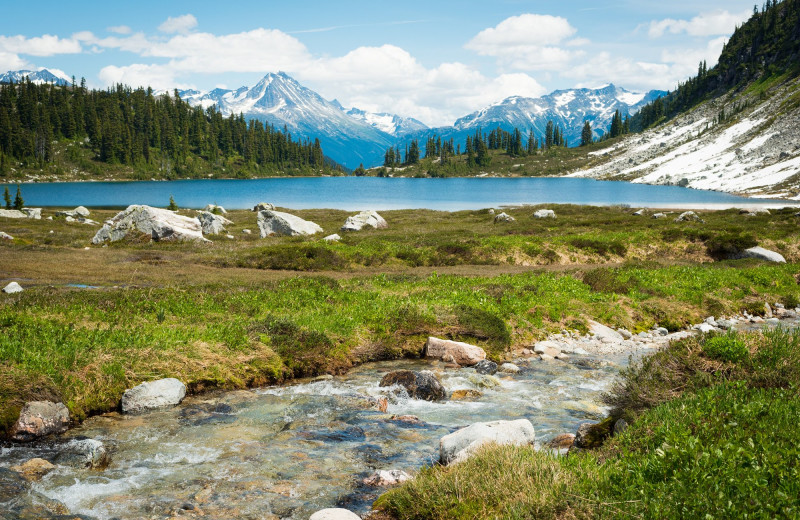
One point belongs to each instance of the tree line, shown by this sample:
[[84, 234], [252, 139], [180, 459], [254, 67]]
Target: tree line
[[128, 126]]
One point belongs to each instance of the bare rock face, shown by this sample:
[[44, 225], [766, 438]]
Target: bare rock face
[[277, 223], [153, 394], [159, 224], [38, 419], [419, 385], [211, 223], [462, 444], [364, 219], [462, 353]]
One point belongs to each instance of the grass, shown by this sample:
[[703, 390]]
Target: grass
[[709, 437]]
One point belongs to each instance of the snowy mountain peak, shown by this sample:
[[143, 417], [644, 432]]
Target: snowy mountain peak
[[36, 76]]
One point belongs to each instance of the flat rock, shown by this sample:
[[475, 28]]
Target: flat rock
[[462, 353], [12, 213], [159, 224], [212, 224], [153, 394], [334, 513], [464, 393], [419, 385], [601, 332], [12, 288], [364, 219], [463, 443], [277, 223], [80, 211], [34, 469], [659, 215], [761, 254], [551, 348], [38, 419], [544, 213], [386, 478]]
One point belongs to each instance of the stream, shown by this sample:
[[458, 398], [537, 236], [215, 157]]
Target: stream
[[288, 451]]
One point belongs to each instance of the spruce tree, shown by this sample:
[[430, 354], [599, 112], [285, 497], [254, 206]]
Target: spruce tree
[[18, 202], [7, 198], [172, 205], [586, 134]]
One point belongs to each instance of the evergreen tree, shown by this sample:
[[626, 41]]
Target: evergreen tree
[[18, 202], [360, 171], [482, 154], [7, 198], [616, 125], [586, 134], [172, 205], [548, 135]]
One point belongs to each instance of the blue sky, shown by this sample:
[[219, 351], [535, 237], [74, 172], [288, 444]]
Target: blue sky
[[435, 61]]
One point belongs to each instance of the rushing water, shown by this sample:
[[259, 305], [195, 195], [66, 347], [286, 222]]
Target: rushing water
[[289, 451], [352, 193]]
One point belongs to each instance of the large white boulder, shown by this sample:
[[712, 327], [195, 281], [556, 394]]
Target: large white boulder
[[454, 351], [34, 213], [334, 513], [544, 213], [284, 224], [762, 254], [263, 206], [217, 210], [368, 218], [211, 223], [5, 236], [80, 211], [504, 217], [153, 394], [12, 288], [461, 444], [160, 224], [602, 332], [12, 213]]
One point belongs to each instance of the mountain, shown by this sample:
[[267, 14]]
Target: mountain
[[35, 76], [566, 108], [389, 123], [734, 127], [350, 138]]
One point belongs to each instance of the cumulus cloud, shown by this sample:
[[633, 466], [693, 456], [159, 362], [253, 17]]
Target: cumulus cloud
[[179, 24], [528, 42], [713, 23], [11, 61], [120, 29], [46, 45]]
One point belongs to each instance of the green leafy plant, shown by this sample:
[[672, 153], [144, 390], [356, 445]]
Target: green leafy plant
[[726, 348]]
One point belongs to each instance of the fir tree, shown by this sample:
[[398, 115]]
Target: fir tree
[[360, 171], [7, 198], [172, 205], [586, 134], [18, 202]]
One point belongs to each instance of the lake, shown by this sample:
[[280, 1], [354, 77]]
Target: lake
[[354, 193]]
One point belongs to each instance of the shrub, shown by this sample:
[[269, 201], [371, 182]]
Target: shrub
[[726, 348], [605, 280], [600, 247], [729, 244]]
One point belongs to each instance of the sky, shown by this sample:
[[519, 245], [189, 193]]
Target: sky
[[431, 60]]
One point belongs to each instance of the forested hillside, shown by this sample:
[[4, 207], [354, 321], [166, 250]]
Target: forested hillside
[[67, 129]]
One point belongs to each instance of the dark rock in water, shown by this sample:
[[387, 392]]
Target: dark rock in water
[[84, 453], [351, 434], [371, 453], [419, 385], [18, 501], [588, 364], [486, 367]]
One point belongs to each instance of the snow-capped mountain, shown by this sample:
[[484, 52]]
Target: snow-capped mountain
[[349, 137], [568, 109], [389, 123], [35, 76]]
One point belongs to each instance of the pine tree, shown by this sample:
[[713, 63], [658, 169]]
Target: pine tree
[[172, 205], [7, 198], [18, 202], [548, 135], [360, 171], [586, 134], [616, 125]]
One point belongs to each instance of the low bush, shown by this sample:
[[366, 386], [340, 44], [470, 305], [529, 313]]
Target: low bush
[[726, 348], [726, 245]]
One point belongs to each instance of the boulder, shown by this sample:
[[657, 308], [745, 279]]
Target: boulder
[[334, 513], [550, 348], [34, 213], [159, 224], [386, 478], [602, 332], [263, 206], [486, 367], [620, 426], [544, 213], [12, 288], [461, 444], [5, 236], [12, 213], [40, 418], [508, 368], [659, 215], [464, 393], [419, 385], [462, 353], [560, 442], [153, 394], [247, 232], [503, 217], [277, 223], [640, 213], [761, 254], [80, 211], [84, 453], [365, 218], [217, 210], [688, 216], [34, 469], [211, 223], [483, 380], [332, 238], [754, 212]]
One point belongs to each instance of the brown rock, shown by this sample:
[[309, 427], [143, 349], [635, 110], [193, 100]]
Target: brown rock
[[408, 419], [563, 441], [459, 395], [34, 469], [454, 351], [40, 418]]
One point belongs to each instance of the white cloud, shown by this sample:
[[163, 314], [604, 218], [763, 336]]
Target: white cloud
[[528, 42], [120, 29], [11, 61], [715, 23], [180, 24], [46, 45]]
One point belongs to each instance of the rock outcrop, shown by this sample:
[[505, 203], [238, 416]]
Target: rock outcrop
[[38, 419], [761, 254], [153, 394], [332, 238], [503, 217], [419, 385], [212, 224], [277, 223], [217, 210], [454, 351], [364, 219], [544, 213], [80, 211], [461, 444], [263, 206], [159, 224], [12, 213], [688, 216], [33, 213]]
